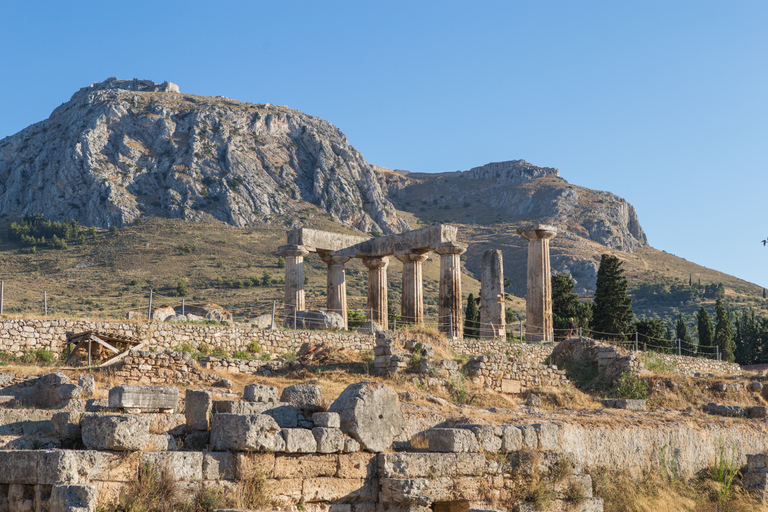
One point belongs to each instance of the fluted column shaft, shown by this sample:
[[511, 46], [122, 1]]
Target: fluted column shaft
[[492, 304], [412, 299], [294, 275], [377, 289], [450, 321], [336, 284], [538, 323]]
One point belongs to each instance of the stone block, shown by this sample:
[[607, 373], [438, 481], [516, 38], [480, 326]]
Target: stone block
[[327, 419], [307, 397], [530, 437], [370, 413], [350, 445], [357, 465], [114, 432], [87, 383], [245, 432], [488, 436], [625, 403], [329, 440], [547, 436], [286, 415], [198, 408], [144, 397], [305, 466], [259, 393], [240, 407], [511, 439], [73, 498], [219, 466], [299, 440], [451, 440], [182, 466], [422, 465], [757, 411], [406, 491], [66, 425], [757, 463], [19, 466], [108, 467], [159, 443], [338, 489]]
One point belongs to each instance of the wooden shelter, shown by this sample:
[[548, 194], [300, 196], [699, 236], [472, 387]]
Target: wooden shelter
[[97, 344]]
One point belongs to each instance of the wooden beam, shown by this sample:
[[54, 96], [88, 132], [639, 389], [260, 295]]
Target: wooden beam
[[75, 350], [119, 356], [104, 343]]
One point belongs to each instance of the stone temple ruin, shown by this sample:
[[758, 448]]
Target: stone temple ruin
[[413, 248]]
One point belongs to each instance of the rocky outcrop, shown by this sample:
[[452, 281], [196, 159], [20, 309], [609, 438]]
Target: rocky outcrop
[[123, 149]]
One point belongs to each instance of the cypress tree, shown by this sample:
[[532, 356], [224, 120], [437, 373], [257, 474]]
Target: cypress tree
[[705, 328], [681, 331], [724, 331], [566, 305], [471, 318], [612, 312], [763, 292]]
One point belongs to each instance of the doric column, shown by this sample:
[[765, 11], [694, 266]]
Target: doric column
[[450, 321], [377, 289], [412, 298], [294, 275], [492, 321], [538, 322], [337, 284]]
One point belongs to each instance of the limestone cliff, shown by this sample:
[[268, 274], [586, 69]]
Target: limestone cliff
[[517, 191], [120, 150]]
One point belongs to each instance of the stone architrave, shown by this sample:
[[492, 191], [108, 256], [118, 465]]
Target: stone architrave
[[294, 276], [450, 320], [377, 289], [337, 284], [412, 299], [492, 321], [538, 323]]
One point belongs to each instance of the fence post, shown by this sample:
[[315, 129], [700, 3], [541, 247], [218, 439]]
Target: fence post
[[450, 325], [679, 352], [635, 341], [521, 331], [717, 353], [45, 302], [149, 310], [2, 293], [272, 326], [183, 312], [579, 333], [294, 318]]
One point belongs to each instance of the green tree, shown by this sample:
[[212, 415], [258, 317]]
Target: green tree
[[471, 318], [566, 305], [266, 278], [724, 332], [280, 262], [705, 327], [181, 288], [393, 314], [612, 311], [681, 331], [652, 331]]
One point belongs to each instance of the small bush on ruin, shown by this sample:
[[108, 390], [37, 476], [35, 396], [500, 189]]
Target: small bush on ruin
[[631, 385], [219, 352], [240, 354], [575, 494], [254, 347]]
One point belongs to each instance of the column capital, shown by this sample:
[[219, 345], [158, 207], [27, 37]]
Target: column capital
[[537, 232], [416, 255], [375, 261], [331, 258], [292, 250], [451, 248]]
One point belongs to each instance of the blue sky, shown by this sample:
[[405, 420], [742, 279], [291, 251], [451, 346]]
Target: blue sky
[[663, 103]]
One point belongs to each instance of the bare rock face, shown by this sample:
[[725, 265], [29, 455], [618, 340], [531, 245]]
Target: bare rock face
[[370, 413], [123, 149]]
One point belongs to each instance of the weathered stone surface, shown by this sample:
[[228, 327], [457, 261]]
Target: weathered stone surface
[[87, 383], [533, 401], [492, 320], [327, 419], [451, 440], [66, 424], [370, 413], [305, 466], [329, 440], [488, 437], [144, 397], [530, 437], [511, 439], [240, 407], [625, 403], [338, 489], [114, 432], [198, 406], [73, 498], [197, 440], [259, 393], [547, 436], [415, 491], [317, 320], [181, 466], [219, 466], [350, 445], [19, 467], [245, 432], [307, 397], [286, 415], [299, 440]]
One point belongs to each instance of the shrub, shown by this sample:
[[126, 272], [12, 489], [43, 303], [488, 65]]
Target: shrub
[[724, 471], [254, 347], [630, 385], [656, 363], [219, 352], [239, 354], [182, 289]]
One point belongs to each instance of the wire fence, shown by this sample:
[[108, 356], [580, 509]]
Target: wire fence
[[284, 315]]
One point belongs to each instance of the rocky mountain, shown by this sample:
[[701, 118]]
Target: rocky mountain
[[518, 191], [120, 150]]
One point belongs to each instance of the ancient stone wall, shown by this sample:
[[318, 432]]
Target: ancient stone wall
[[532, 353], [691, 366], [512, 375], [167, 367]]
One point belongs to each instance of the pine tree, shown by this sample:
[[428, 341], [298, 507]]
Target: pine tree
[[566, 305], [705, 328], [681, 331], [612, 312], [724, 332], [471, 318]]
